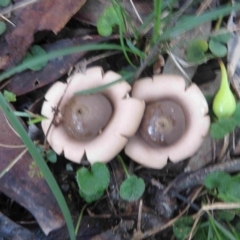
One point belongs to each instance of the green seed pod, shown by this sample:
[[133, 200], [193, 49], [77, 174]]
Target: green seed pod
[[224, 103]]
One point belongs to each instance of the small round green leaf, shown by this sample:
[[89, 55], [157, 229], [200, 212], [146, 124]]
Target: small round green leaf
[[51, 156], [196, 51], [182, 227], [35, 51], [218, 49], [132, 188], [107, 21], [94, 181], [222, 127], [3, 27], [4, 3], [217, 180], [9, 96], [92, 197], [223, 37], [232, 189]]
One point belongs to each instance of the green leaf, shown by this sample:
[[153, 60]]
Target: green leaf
[[9, 96], [237, 227], [196, 51], [221, 37], [94, 182], [59, 53], [51, 156], [107, 21], [89, 198], [224, 215], [217, 180], [232, 189], [134, 49], [182, 227], [132, 188], [224, 232], [36, 51], [222, 127], [4, 3], [236, 115], [3, 27], [217, 48]]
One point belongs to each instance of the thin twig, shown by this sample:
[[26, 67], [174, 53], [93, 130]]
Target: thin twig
[[151, 232], [139, 216], [17, 6], [136, 11], [56, 111], [179, 66], [12, 163], [11, 146], [7, 20], [193, 179]]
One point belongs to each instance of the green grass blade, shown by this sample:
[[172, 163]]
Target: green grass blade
[[194, 21], [40, 162], [212, 222], [224, 231], [63, 52], [157, 21], [102, 88]]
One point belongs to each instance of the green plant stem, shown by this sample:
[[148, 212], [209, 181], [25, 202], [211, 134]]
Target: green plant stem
[[218, 24], [123, 165], [211, 220], [157, 22], [80, 219], [51, 181], [127, 77], [224, 231]]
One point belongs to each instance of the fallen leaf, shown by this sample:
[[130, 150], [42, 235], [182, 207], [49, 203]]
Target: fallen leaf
[[49, 15], [33, 192], [28, 81]]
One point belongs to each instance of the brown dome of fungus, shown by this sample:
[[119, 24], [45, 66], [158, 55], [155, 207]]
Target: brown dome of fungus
[[111, 117], [85, 116], [163, 123], [175, 133]]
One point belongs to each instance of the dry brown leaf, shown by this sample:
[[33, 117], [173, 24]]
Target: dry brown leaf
[[32, 193], [49, 15]]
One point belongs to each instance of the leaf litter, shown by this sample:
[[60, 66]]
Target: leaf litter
[[22, 183]]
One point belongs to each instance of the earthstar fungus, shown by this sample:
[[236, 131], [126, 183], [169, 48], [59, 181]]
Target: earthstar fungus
[[97, 125], [174, 123]]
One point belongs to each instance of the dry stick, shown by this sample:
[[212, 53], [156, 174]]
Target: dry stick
[[12, 163], [156, 230], [7, 20], [204, 5], [11, 146], [56, 112], [198, 216], [196, 178], [139, 215]]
